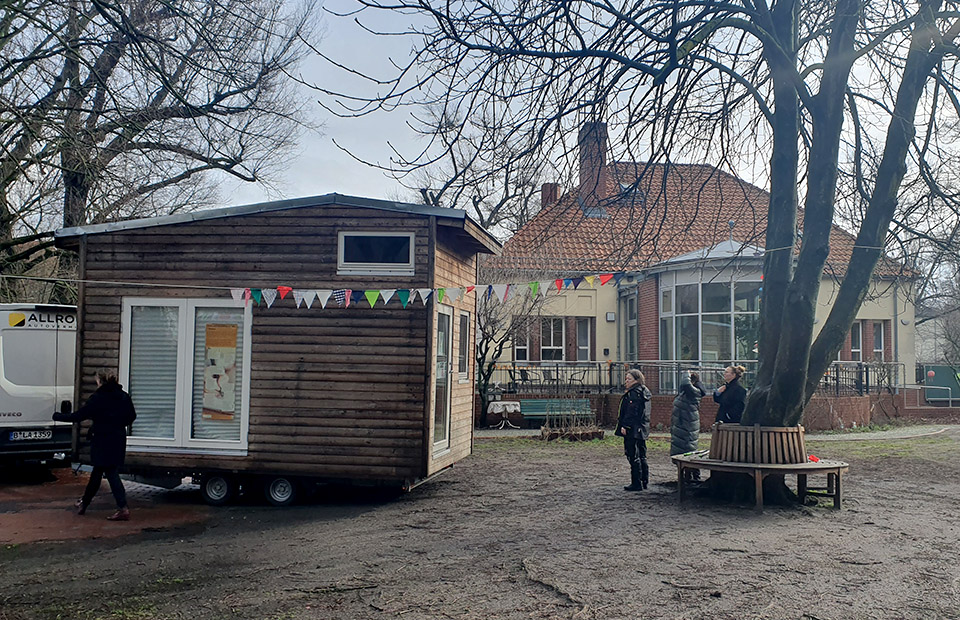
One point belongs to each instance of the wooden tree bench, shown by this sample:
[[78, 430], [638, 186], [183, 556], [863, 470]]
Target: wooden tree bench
[[761, 451], [557, 409]]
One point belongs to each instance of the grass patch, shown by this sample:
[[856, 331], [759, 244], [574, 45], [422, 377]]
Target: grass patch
[[935, 449], [135, 608]]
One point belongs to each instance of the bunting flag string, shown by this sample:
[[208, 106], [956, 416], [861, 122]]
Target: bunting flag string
[[344, 298]]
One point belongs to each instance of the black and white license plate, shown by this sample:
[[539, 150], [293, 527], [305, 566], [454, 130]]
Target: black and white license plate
[[30, 435]]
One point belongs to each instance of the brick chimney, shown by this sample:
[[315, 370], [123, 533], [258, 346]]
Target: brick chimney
[[549, 193], [592, 143]]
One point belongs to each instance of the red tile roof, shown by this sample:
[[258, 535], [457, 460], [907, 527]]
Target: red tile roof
[[644, 214]]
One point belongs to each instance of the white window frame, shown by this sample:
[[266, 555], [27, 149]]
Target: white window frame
[[553, 347], [883, 343], [589, 347], [375, 269], [521, 341], [464, 375], [187, 317], [858, 326]]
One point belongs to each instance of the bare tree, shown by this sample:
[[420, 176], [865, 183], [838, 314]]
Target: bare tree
[[500, 323], [117, 109], [866, 88]]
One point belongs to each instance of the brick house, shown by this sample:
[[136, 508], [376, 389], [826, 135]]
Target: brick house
[[688, 241]]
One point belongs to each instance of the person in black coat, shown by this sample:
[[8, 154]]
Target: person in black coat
[[111, 410], [685, 418], [731, 396], [633, 424]]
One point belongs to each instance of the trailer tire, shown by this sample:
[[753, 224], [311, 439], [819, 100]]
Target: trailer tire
[[280, 491], [218, 490]]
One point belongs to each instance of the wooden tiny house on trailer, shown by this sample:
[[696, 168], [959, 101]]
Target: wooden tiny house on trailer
[[234, 391]]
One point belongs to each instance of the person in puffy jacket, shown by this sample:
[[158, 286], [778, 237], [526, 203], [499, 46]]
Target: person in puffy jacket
[[633, 424], [112, 411], [685, 419], [731, 397]]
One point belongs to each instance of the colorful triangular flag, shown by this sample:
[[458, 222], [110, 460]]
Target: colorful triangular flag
[[605, 277], [256, 294], [567, 282], [534, 288], [372, 296], [236, 293], [559, 283], [324, 295], [589, 280], [577, 282], [284, 291], [424, 294], [246, 294], [440, 293], [453, 294], [387, 294], [341, 296], [269, 295], [348, 296], [308, 297], [617, 277], [404, 296], [544, 287], [297, 297], [356, 297], [470, 288]]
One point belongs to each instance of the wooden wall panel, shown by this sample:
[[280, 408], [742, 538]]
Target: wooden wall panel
[[335, 391]]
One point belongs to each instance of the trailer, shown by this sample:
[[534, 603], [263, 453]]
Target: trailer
[[37, 365], [286, 343]]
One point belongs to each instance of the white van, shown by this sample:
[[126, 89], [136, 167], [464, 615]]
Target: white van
[[37, 365]]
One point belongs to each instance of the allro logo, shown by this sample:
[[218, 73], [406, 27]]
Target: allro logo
[[17, 319]]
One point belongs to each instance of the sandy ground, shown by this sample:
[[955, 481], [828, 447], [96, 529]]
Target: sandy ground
[[527, 530]]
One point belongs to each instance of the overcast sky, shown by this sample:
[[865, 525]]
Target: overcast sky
[[320, 167]]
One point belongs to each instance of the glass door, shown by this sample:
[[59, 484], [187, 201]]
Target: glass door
[[441, 401]]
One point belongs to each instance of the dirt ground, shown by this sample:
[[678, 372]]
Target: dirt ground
[[527, 530]]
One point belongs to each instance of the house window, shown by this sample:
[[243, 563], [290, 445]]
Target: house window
[[631, 327], [185, 364], [551, 340], [463, 353], [375, 253], [878, 341], [714, 321], [521, 340], [583, 340], [856, 342]]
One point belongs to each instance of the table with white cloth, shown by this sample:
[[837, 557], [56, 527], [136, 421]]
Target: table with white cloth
[[503, 408]]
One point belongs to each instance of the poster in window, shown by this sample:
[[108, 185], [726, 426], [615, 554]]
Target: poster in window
[[220, 372]]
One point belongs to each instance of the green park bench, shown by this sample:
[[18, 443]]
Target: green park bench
[[557, 411]]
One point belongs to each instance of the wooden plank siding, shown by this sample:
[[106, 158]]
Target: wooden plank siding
[[334, 393], [454, 268]]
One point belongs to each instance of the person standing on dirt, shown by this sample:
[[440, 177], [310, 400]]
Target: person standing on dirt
[[633, 424], [112, 411], [731, 397], [685, 419]]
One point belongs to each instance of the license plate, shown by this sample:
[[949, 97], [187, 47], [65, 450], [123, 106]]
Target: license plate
[[28, 435]]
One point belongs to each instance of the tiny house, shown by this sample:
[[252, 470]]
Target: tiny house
[[316, 339]]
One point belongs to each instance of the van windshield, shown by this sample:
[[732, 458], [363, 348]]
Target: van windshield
[[33, 358]]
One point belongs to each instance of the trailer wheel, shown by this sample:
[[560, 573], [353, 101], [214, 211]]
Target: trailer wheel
[[217, 490], [280, 491]]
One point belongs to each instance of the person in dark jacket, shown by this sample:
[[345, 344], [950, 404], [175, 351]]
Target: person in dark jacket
[[685, 419], [111, 410], [731, 397], [633, 424]]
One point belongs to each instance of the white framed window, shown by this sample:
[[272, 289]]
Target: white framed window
[[375, 253], [551, 340], [463, 348], [185, 363], [521, 341], [630, 327], [584, 351], [856, 342], [878, 341]]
